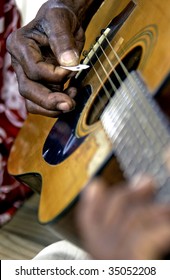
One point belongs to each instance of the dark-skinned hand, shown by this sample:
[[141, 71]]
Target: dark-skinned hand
[[124, 222], [52, 39]]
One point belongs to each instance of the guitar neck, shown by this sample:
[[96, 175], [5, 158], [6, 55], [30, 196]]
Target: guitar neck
[[139, 132]]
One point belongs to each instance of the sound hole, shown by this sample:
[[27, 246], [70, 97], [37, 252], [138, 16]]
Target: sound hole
[[131, 62], [62, 140]]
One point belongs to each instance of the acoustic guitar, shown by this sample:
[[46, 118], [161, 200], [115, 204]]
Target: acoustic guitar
[[120, 125]]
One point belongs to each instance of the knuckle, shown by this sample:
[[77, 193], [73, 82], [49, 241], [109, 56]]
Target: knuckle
[[9, 42], [32, 74], [121, 199], [29, 107], [48, 104], [23, 89], [32, 70]]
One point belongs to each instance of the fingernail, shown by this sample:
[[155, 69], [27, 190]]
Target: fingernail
[[141, 181], [69, 58], [63, 106], [72, 92], [90, 191]]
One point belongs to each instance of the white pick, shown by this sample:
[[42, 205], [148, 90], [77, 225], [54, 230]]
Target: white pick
[[76, 68]]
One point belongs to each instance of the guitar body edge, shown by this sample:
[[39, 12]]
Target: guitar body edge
[[62, 183]]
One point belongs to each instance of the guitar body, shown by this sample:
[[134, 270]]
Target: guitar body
[[58, 166]]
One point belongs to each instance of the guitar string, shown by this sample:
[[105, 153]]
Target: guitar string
[[127, 131], [121, 82], [127, 91], [119, 103], [107, 76], [143, 104], [138, 151], [141, 137]]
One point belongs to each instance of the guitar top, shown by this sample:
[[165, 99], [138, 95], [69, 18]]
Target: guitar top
[[129, 61]]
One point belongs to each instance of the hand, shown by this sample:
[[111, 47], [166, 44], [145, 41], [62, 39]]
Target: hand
[[124, 223], [55, 37]]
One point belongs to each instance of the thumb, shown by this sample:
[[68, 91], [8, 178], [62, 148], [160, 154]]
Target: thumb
[[68, 58], [61, 30]]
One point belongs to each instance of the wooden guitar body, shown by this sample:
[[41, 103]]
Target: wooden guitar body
[[58, 158]]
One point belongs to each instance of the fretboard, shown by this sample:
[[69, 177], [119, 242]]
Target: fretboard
[[139, 132]]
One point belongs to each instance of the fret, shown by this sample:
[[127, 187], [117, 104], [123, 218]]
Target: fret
[[138, 131]]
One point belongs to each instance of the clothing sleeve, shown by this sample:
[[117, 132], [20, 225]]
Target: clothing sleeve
[[12, 116], [62, 250]]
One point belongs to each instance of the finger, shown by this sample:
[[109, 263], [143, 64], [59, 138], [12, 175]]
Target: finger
[[92, 203], [141, 187], [154, 243], [157, 213], [133, 227], [144, 217], [71, 91], [63, 35], [42, 96], [138, 189], [162, 241], [125, 197], [36, 109], [36, 65], [89, 214], [116, 202]]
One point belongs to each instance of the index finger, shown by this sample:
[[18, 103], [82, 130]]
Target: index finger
[[42, 96]]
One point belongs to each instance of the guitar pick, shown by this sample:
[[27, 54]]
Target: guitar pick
[[76, 68]]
